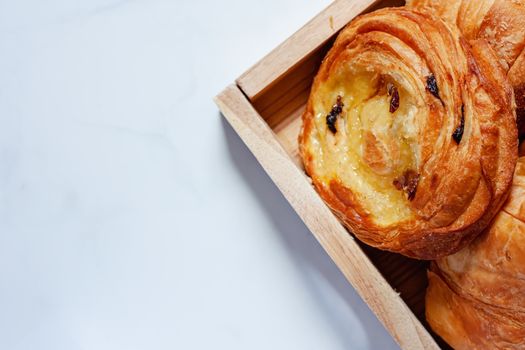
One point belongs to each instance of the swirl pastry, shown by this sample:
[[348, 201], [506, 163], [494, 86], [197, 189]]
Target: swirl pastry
[[476, 297], [409, 133], [501, 23]]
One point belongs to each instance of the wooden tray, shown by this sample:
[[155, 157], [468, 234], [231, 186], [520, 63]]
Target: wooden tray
[[264, 107]]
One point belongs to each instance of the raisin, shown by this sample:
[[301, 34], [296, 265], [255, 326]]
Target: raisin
[[331, 118], [457, 135], [330, 121], [394, 101], [413, 181], [408, 182], [432, 86]]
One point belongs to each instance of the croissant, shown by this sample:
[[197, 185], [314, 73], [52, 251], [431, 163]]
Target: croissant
[[476, 297], [409, 133], [501, 23]]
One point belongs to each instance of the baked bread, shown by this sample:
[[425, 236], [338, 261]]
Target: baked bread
[[501, 23], [476, 297], [409, 133]]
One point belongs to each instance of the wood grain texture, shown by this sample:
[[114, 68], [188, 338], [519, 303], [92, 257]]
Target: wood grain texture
[[386, 303]]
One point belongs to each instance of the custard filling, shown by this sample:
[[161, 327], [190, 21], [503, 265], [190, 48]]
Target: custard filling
[[374, 144]]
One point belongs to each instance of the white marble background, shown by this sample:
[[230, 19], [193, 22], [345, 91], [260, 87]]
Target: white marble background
[[131, 215]]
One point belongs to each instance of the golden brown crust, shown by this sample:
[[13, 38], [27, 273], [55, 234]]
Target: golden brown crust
[[501, 23], [476, 297], [454, 131]]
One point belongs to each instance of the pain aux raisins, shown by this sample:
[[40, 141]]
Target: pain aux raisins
[[331, 118], [394, 100], [408, 182]]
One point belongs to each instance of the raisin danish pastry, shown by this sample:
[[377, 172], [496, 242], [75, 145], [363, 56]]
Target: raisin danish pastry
[[501, 23], [476, 297], [409, 133]]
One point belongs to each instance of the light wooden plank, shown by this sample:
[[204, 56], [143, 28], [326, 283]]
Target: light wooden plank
[[299, 45], [397, 318]]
